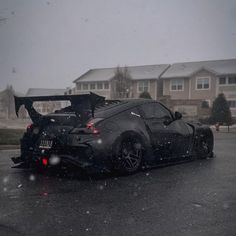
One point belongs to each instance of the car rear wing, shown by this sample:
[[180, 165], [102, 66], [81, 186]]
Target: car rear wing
[[79, 103]]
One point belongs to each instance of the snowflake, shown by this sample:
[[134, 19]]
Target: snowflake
[[99, 141], [54, 160], [32, 177], [5, 180], [101, 187]]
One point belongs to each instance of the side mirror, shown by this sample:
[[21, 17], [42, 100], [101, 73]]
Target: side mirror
[[167, 120], [178, 115]]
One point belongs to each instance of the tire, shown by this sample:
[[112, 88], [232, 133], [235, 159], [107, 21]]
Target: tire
[[128, 155], [204, 148]]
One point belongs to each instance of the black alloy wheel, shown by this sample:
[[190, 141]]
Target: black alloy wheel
[[204, 148], [129, 155]]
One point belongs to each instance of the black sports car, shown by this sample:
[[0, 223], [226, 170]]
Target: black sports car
[[109, 135]]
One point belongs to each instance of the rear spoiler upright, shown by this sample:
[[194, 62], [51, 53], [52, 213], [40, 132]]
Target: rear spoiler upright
[[78, 103]]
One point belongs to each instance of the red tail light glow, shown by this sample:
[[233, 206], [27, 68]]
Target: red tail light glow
[[90, 126], [29, 127], [45, 161]]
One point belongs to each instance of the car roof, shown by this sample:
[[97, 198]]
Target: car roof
[[113, 107]]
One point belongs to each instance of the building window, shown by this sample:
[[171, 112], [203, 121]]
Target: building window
[[92, 86], [203, 83], [232, 80], [232, 104], [222, 80], [106, 85], [177, 85], [78, 86], [85, 86], [143, 86], [99, 85]]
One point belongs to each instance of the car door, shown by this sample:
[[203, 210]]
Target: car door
[[154, 116], [167, 134]]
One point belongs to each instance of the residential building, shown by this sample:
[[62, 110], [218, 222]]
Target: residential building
[[189, 84], [143, 78]]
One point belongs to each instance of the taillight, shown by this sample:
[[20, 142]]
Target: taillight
[[45, 161], [91, 127], [29, 128]]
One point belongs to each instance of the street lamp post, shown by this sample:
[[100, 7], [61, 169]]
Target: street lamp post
[[127, 92]]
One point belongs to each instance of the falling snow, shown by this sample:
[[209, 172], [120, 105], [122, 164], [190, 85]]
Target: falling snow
[[32, 177], [5, 180], [54, 160], [100, 187], [225, 205], [99, 141]]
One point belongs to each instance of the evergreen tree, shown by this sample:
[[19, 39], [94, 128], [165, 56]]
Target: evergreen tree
[[145, 94], [220, 112]]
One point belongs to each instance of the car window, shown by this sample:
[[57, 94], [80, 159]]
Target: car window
[[154, 110], [160, 111]]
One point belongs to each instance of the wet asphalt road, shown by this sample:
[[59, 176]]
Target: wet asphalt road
[[194, 198]]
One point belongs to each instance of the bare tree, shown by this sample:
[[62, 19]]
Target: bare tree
[[3, 20], [121, 83]]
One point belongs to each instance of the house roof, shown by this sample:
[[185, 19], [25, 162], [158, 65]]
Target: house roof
[[186, 69], [136, 72], [44, 92]]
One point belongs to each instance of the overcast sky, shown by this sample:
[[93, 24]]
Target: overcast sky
[[50, 43]]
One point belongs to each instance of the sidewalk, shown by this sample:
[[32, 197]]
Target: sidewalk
[[9, 147], [224, 129]]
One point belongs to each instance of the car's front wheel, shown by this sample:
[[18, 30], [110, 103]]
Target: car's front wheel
[[128, 155], [204, 148]]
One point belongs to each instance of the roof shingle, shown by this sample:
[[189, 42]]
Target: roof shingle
[[186, 69], [136, 72]]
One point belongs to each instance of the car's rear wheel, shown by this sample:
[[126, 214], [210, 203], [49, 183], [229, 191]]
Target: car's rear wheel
[[128, 155]]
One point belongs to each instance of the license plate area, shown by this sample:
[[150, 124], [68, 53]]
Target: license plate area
[[45, 144]]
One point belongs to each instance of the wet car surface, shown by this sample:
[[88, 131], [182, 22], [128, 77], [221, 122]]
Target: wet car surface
[[99, 135], [195, 198]]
